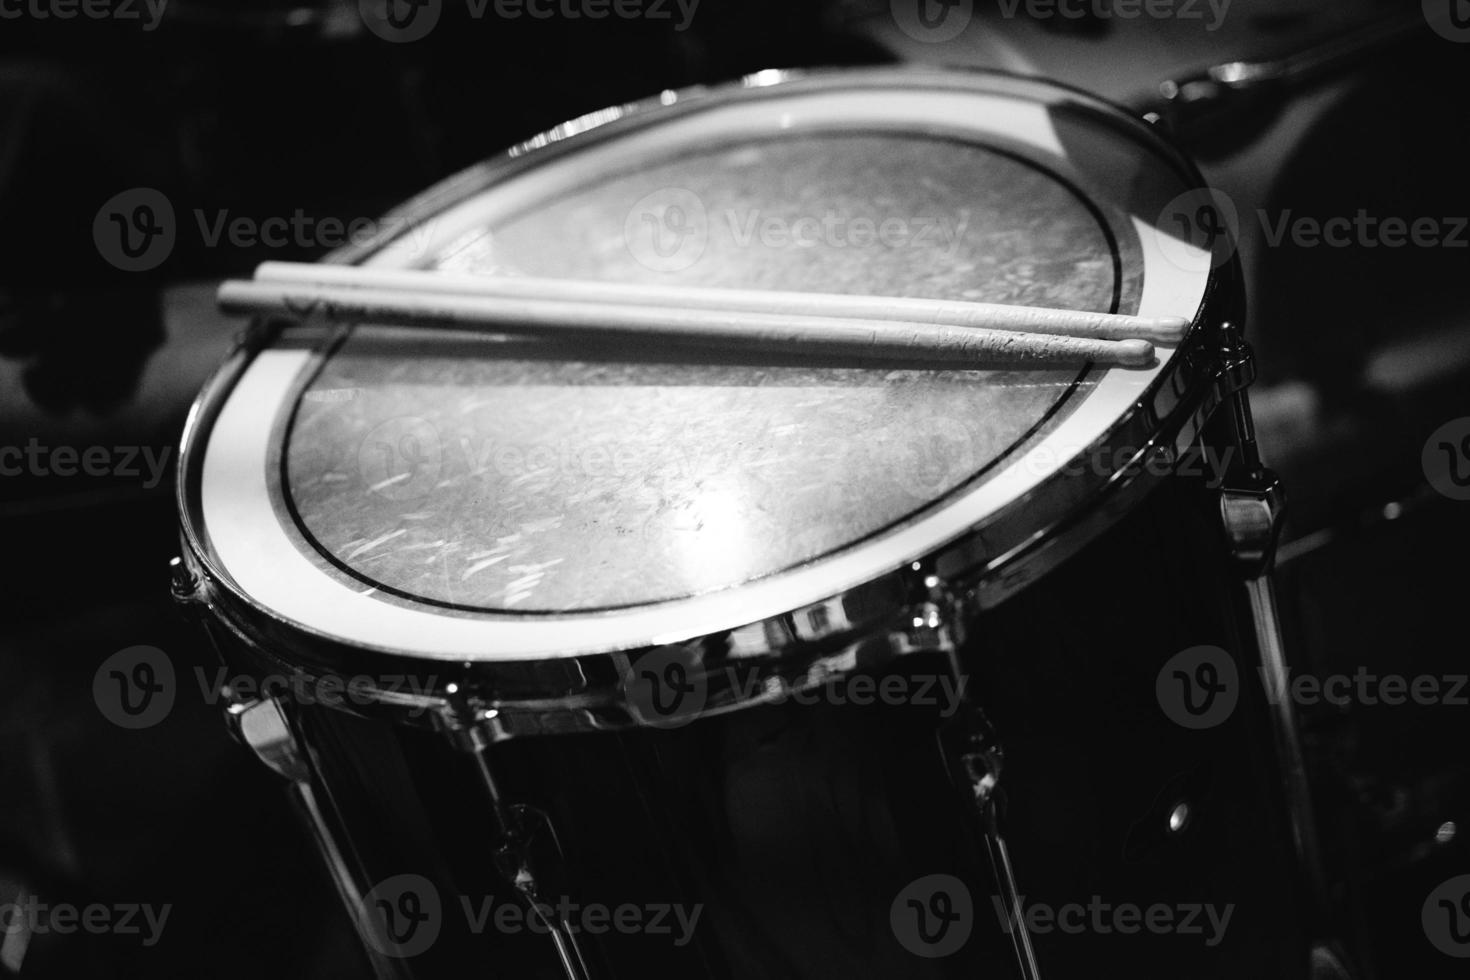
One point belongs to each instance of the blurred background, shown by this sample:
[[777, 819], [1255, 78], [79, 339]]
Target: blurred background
[[1298, 111]]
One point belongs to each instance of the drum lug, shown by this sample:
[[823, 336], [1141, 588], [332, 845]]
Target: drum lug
[[980, 760], [1237, 370], [1252, 505], [931, 623], [183, 583], [262, 727]]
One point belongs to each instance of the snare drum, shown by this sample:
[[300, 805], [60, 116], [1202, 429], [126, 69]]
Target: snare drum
[[608, 664]]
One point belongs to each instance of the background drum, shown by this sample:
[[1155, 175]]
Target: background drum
[[506, 559]]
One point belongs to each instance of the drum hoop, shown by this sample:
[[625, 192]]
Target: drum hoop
[[920, 607]]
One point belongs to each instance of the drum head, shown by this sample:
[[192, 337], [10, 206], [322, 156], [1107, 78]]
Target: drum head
[[475, 497]]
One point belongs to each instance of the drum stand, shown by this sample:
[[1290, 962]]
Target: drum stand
[[1252, 506], [979, 762], [262, 725], [1251, 510], [517, 827]]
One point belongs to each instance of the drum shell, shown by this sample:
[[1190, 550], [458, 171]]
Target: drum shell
[[795, 826]]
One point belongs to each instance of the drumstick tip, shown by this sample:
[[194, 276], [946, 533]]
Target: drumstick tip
[[1168, 329], [1135, 353]]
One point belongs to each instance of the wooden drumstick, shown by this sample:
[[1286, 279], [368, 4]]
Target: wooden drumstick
[[723, 328], [954, 313]]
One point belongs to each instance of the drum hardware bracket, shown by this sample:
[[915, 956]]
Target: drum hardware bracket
[[1240, 96], [931, 624], [1237, 369], [980, 760], [1252, 503], [261, 726], [514, 831], [1252, 511], [183, 583]]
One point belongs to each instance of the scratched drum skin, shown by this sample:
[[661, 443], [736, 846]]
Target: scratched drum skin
[[540, 533], [497, 482]]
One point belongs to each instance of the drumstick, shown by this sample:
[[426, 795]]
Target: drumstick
[[733, 328], [954, 313]]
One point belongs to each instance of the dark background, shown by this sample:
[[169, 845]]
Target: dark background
[[262, 109]]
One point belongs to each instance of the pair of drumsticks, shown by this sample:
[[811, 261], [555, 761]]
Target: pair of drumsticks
[[924, 330]]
